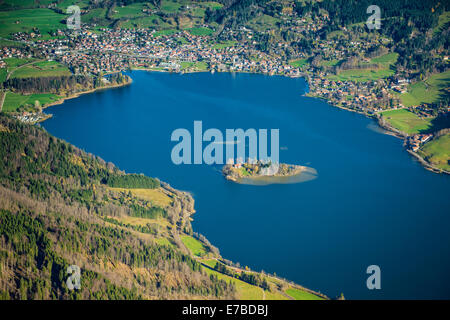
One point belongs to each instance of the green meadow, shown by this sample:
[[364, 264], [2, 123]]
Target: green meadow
[[202, 31], [14, 101], [407, 121], [298, 63], [224, 44], [131, 11], [41, 69], [194, 66], [298, 294], [195, 246], [437, 152], [385, 69], [25, 20], [426, 91]]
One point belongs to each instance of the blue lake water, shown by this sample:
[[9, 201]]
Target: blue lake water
[[371, 203]]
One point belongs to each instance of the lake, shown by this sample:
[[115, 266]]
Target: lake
[[370, 204]]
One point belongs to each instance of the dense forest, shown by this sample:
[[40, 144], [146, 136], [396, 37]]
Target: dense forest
[[56, 211], [61, 84]]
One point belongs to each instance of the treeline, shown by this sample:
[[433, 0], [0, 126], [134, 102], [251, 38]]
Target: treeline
[[55, 85], [252, 278], [149, 213], [131, 181]]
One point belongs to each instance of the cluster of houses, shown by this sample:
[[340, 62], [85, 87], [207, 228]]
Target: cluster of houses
[[414, 142], [12, 52], [114, 50]]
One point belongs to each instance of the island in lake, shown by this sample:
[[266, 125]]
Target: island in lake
[[262, 173]]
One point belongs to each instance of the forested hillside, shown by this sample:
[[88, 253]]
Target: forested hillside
[[56, 210]]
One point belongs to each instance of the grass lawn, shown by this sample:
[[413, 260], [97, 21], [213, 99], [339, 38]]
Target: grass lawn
[[437, 152], [407, 121], [41, 69], [301, 295], [202, 31], [44, 19], [386, 59], [196, 66], [195, 246], [298, 63], [13, 101], [426, 91]]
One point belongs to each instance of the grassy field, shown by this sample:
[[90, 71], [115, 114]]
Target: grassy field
[[301, 294], [152, 21], [131, 11], [195, 246], [245, 291], [44, 19], [437, 152], [329, 63], [386, 60], [194, 66], [362, 75], [386, 69], [298, 63], [3, 74], [97, 16], [13, 63], [407, 121], [136, 221], [202, 31], [170, 6], [23, 4], [41, 69], [224, 44], [13, 101], [427, 91], [155, 196]]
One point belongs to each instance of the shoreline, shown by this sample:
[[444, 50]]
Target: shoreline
[[388, 130], [77, 94]]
